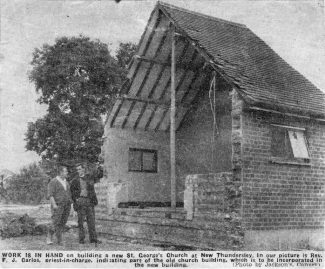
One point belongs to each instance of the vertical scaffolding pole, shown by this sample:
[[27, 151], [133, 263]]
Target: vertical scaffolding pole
[[172, 125]]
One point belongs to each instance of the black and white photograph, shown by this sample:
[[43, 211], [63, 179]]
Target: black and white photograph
[[174, 133]]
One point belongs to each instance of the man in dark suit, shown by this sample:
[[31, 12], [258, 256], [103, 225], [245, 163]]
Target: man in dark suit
[[84, 200], [58, 192]]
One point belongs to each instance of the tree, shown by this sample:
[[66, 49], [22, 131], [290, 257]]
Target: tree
[[125, 53], [28, 186], [78, 79]]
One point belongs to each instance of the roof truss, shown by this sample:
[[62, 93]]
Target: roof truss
[[145, 103]]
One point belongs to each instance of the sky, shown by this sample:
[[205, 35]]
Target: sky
[[294, 29]]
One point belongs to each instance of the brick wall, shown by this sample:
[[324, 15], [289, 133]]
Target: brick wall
[[214, 200], [281, 196], [210, 194]]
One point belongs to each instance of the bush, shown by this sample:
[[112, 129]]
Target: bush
[[14, 225], [29, 186]]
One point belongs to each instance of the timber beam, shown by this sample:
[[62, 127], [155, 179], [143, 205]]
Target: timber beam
[[153, 102], [186, 67]]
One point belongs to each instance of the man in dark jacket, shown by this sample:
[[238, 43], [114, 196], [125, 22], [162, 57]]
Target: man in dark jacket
[[84, 200], [60, 198]]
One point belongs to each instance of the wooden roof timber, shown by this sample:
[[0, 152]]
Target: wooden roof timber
[[154, 86], [163, 93], [139, 116], [181, 33], [161, 43], [144, 48], [153, 101], [185, 69], [151, 91], [146, 40], [165, 107], [183, 66], [161, 119], [183, 104], [152, 115], [182, 107]]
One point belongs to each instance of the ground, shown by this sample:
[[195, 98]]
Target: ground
[[70, 241]]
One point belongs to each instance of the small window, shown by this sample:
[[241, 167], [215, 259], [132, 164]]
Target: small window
[[289, 143], [142, 160]]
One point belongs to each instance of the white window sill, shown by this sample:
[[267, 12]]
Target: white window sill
[[298, 162]]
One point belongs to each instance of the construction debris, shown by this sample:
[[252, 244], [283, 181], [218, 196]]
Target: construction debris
[[13, 225]]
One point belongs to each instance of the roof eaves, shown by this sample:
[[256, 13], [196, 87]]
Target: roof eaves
[[286, 109], [250, 102], [201, 14]]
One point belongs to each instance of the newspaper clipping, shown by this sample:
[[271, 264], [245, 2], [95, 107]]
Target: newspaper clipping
[[162, 134], [165, 259]]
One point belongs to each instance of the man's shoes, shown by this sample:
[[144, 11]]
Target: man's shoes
[[59, 239], [49, 239], [96, 241]]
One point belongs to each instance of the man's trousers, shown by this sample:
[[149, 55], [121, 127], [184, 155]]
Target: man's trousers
[[86, 211], [59, 219]]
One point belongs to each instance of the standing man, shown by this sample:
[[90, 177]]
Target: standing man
[[60, 199], [84, 200]]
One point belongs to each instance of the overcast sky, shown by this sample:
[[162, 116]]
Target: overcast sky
[[294, 29]]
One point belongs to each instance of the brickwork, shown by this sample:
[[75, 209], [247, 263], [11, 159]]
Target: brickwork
[[215, 199], [212, 194], [101, 191], [281, 195], [216, 223], [257, 193]]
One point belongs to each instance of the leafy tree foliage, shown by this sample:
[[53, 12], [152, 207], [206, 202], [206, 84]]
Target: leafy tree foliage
[[124, 54], [75, 74], [28, 186], [78, 79]]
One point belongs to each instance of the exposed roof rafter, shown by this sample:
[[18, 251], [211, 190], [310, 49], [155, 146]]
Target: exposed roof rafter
[[167, 64], [154, 102]]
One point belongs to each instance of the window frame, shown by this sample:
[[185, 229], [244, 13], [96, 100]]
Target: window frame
[[142, 170], [291, 159]]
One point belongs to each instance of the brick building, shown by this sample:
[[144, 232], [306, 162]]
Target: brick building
[[249, 141]]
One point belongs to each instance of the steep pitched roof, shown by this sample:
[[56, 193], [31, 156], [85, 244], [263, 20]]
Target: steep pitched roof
[[259, 73]]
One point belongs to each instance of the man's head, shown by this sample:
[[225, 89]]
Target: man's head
[[62, 171], [81, 170]]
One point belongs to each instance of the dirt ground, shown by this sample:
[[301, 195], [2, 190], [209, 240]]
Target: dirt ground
[[70, 238]]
